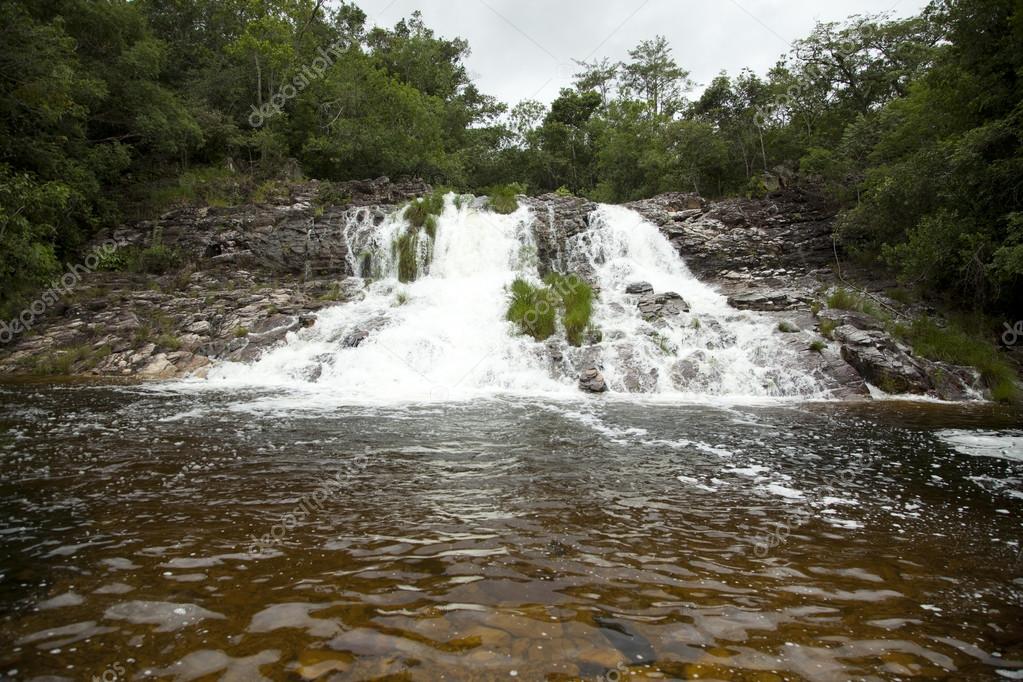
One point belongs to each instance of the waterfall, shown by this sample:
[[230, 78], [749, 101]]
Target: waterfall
[[444, 334]]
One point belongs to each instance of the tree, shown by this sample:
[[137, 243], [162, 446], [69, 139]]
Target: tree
[[598, 75], [655, 76]]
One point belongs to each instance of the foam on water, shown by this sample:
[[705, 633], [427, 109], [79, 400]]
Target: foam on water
[[444, 336]]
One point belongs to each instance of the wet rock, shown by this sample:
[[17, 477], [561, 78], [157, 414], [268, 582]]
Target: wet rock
[[639, 288], [881, 361], [850, 318], [764, 301], [658, 306], [592, 381], [355, 338]]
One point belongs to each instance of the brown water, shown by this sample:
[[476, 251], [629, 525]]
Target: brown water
[[503, 539]]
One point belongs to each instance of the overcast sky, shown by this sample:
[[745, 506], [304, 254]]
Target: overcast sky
[[524, 48]]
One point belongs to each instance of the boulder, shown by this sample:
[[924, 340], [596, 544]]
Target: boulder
[[881, 361], [764, 301], [658, 306], [592, 381]]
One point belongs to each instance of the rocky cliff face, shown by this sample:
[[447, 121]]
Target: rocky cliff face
[[255, 273]]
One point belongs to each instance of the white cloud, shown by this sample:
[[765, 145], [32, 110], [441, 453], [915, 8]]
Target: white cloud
[[524, 48]]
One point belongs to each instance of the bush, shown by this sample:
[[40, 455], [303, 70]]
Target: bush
[[329, 194], [532, 309], [954, 345], [787, 327], [827, 328], [503, 198], [818, 346]]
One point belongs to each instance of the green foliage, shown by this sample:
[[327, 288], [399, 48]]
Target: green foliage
[[406, 249], [330, 194], [955, 345], [157, 259], [168, 342], [787, 327], [241, 331], [575, 300], [503, 198], [533, 309], [827, 328], [62, 362], [817, 346], [419, 212], [842, 299]]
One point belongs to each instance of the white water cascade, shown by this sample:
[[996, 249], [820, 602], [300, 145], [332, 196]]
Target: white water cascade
[[444, 336]]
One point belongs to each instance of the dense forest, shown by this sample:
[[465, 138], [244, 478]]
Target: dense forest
[[111, 109]]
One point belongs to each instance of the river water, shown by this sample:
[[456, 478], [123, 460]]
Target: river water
[[160, 533]]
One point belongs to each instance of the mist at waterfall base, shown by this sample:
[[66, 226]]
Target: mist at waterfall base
[[444, 336]]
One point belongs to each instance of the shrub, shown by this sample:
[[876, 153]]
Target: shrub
[[827, 328], [269, 191], [818, 346], [241, 331], [787, 327], [111, 261], [954, 345], [329, 194], [563, 192], [532, 309], [503, 197], [158, 259]]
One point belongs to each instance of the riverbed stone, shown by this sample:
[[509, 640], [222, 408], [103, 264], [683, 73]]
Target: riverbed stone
[[592, 381]]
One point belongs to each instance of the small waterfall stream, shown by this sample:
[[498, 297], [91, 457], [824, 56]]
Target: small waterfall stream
[[444, 335]]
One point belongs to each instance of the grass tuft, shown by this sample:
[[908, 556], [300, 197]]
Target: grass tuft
[[787, 327], [576, 301], [533, 309], [421, 210], [503, 198], [406, 248]]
